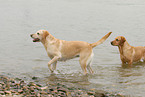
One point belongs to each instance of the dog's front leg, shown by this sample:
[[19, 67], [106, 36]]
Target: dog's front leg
[[54, 66], [51, 62], [130, 63]]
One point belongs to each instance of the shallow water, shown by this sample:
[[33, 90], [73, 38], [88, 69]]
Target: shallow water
[[73, 20]]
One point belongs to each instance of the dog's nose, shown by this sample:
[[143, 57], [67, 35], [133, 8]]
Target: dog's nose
[[112, 43], [31, 35]]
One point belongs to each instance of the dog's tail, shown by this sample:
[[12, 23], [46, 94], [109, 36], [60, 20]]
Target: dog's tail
[[101, 40]]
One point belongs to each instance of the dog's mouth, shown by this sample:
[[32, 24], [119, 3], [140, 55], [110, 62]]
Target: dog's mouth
[[36, 40]]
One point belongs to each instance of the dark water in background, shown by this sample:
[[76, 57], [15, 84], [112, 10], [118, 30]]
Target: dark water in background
[[85, 20]]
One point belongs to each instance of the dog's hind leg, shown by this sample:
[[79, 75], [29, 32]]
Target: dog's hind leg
[[89, 62], [90, 69], [83, 66], [85, 60]]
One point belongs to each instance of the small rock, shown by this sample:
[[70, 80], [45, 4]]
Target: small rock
[[32, 88], [2, 83], [34, 78], [16, 93], [38, 95], [31, 84], [20, 91], [43, 92], [7, 92], [39, 85], [22, 83], [51, 89], [18, 79], [12, 91], [12, 81], [38, 88], [93, 96], [99, 95], [50, 95], [85, 95], [43, 88], [24, 88], [91, 93], [33, 93], [15, 96], [31, 96], [55, 91], [2, 92], [62, 94], [62, 90]]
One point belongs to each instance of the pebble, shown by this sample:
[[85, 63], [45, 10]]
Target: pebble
[[43, 88], [7, 92], [20, 91], [2, 92]]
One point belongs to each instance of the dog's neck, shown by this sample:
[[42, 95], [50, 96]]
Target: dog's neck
[[50, 39], [123, 46]]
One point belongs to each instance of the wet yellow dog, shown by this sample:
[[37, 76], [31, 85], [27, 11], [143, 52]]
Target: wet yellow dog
[[128, 53], [61, 50]]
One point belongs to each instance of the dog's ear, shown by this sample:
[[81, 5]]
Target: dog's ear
[[45, 34], [122, 40]]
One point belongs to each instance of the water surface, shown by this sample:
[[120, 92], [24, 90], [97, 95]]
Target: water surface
[[84, 20]]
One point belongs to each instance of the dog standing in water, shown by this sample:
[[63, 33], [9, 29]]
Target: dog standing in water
[[61, 50], [128, 53]]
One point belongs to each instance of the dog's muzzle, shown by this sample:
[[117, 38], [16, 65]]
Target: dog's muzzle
[[112, 43], [35, 39]]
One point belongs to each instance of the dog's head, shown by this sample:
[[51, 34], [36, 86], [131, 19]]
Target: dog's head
[[39, 35], [119, 41]]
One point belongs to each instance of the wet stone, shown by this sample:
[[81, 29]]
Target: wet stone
[[99, 95], [38, 95], [39, 85], [43, 92], [91, 93], [32, 88], [20, 91], [7, 92], [18, 79], [32, 93], [61, 90], [22, 83], [62, 94], [12, 81], [2, 83], [51, 89], [34, 78], [2, 92], [38, 88]]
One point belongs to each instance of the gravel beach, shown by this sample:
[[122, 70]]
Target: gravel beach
[[15, 87]]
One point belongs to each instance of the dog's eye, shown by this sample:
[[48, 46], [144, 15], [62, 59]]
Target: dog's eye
[[117, 40], [38, 33]]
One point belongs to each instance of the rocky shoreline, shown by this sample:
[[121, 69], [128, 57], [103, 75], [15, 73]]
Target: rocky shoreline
[[19, 88]]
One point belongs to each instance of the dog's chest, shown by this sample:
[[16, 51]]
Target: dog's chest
[[128, 52], [51, 51]]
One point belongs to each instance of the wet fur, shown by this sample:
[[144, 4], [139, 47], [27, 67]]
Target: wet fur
[[128, 53], [61, 50]]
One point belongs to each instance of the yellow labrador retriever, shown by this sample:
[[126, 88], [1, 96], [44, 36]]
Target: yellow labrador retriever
[[61, 50], [128, 53]]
